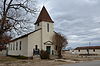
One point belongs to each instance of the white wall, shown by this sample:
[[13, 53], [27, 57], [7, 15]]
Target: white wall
[[97, 51], [47, 36], [34, 39], [40, 37], [23, 51]]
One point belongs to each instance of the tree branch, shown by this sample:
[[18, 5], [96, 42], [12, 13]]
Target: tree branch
[[8, 6]]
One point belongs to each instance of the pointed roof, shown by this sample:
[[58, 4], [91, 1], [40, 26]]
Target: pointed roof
[[44, 16]]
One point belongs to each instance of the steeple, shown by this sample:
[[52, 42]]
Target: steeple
[[43, 16]]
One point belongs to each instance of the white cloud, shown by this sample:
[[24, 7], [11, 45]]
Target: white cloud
[[97, 19], [91, 1], [79, 20]]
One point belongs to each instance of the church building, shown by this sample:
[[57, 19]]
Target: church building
[[39, 39]]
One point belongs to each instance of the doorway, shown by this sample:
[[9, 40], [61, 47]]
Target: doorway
[[48, 49]]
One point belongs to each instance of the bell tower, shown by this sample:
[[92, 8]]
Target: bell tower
[[43, 17], [46, 24]]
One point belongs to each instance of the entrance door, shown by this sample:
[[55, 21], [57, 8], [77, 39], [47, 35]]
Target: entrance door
[[48, 49]]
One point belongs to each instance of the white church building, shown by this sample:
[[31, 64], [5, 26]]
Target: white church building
[[39, 39]]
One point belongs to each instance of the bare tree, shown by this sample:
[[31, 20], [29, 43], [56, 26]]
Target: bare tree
[[5, 39], [13, 15], [60, 42]]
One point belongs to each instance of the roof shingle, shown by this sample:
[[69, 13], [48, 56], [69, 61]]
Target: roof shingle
[[87, 47], [44, 16]]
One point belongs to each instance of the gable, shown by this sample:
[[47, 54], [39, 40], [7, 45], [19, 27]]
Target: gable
[[48, 43], [44, 16]]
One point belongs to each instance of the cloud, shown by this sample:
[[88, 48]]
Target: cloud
[[79, 20], [91, 1], [97, 19]]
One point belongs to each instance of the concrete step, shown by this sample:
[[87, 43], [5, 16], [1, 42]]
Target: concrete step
[[36, 57]]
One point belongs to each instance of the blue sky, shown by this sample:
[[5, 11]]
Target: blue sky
[[78, 20]]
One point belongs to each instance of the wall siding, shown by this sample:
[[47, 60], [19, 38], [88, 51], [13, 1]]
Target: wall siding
[[97, 51], [34, 39], [23, 50]]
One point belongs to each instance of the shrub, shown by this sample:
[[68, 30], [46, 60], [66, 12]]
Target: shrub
[[44, 55]]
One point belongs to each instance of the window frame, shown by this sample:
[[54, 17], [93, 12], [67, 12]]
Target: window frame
[[37, 24], [16, 45], [20, 45], [47, 27], [93, 50]]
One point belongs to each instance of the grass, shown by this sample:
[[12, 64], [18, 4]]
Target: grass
[[6, 59], [19, 57], [80, 58]]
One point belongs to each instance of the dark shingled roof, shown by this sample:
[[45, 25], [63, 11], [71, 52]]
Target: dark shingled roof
[[44, 16], [87, 47]]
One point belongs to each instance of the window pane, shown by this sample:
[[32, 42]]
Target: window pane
[[47, 27], [11, 46], [20, 45], [16, 45]]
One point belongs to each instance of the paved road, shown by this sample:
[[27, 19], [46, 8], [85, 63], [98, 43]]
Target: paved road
[[91, 63]]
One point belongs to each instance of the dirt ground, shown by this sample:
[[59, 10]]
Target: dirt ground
[[9, 61], [73, 57]]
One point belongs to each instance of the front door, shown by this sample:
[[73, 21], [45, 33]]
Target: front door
[[48, 49]]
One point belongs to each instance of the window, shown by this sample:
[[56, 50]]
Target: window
[[36, 50], [56, 47], [47, 27], [11, 46], [78, 50], [87, 50], [52, 52], [16, 45], [93, 50], [37, 24], [20, 45], [36, 47]]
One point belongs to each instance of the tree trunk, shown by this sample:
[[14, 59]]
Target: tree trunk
[[1, 35], [59, 54]]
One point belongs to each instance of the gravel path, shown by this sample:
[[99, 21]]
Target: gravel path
[[92, 63]]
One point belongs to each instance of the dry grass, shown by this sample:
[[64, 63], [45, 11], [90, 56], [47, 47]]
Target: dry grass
[[80, 58], [4, 59], [9, 61]]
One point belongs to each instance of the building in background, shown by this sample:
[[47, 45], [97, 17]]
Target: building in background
[[92, 50]]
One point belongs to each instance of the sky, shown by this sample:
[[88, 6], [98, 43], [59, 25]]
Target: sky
[[78, 20]]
